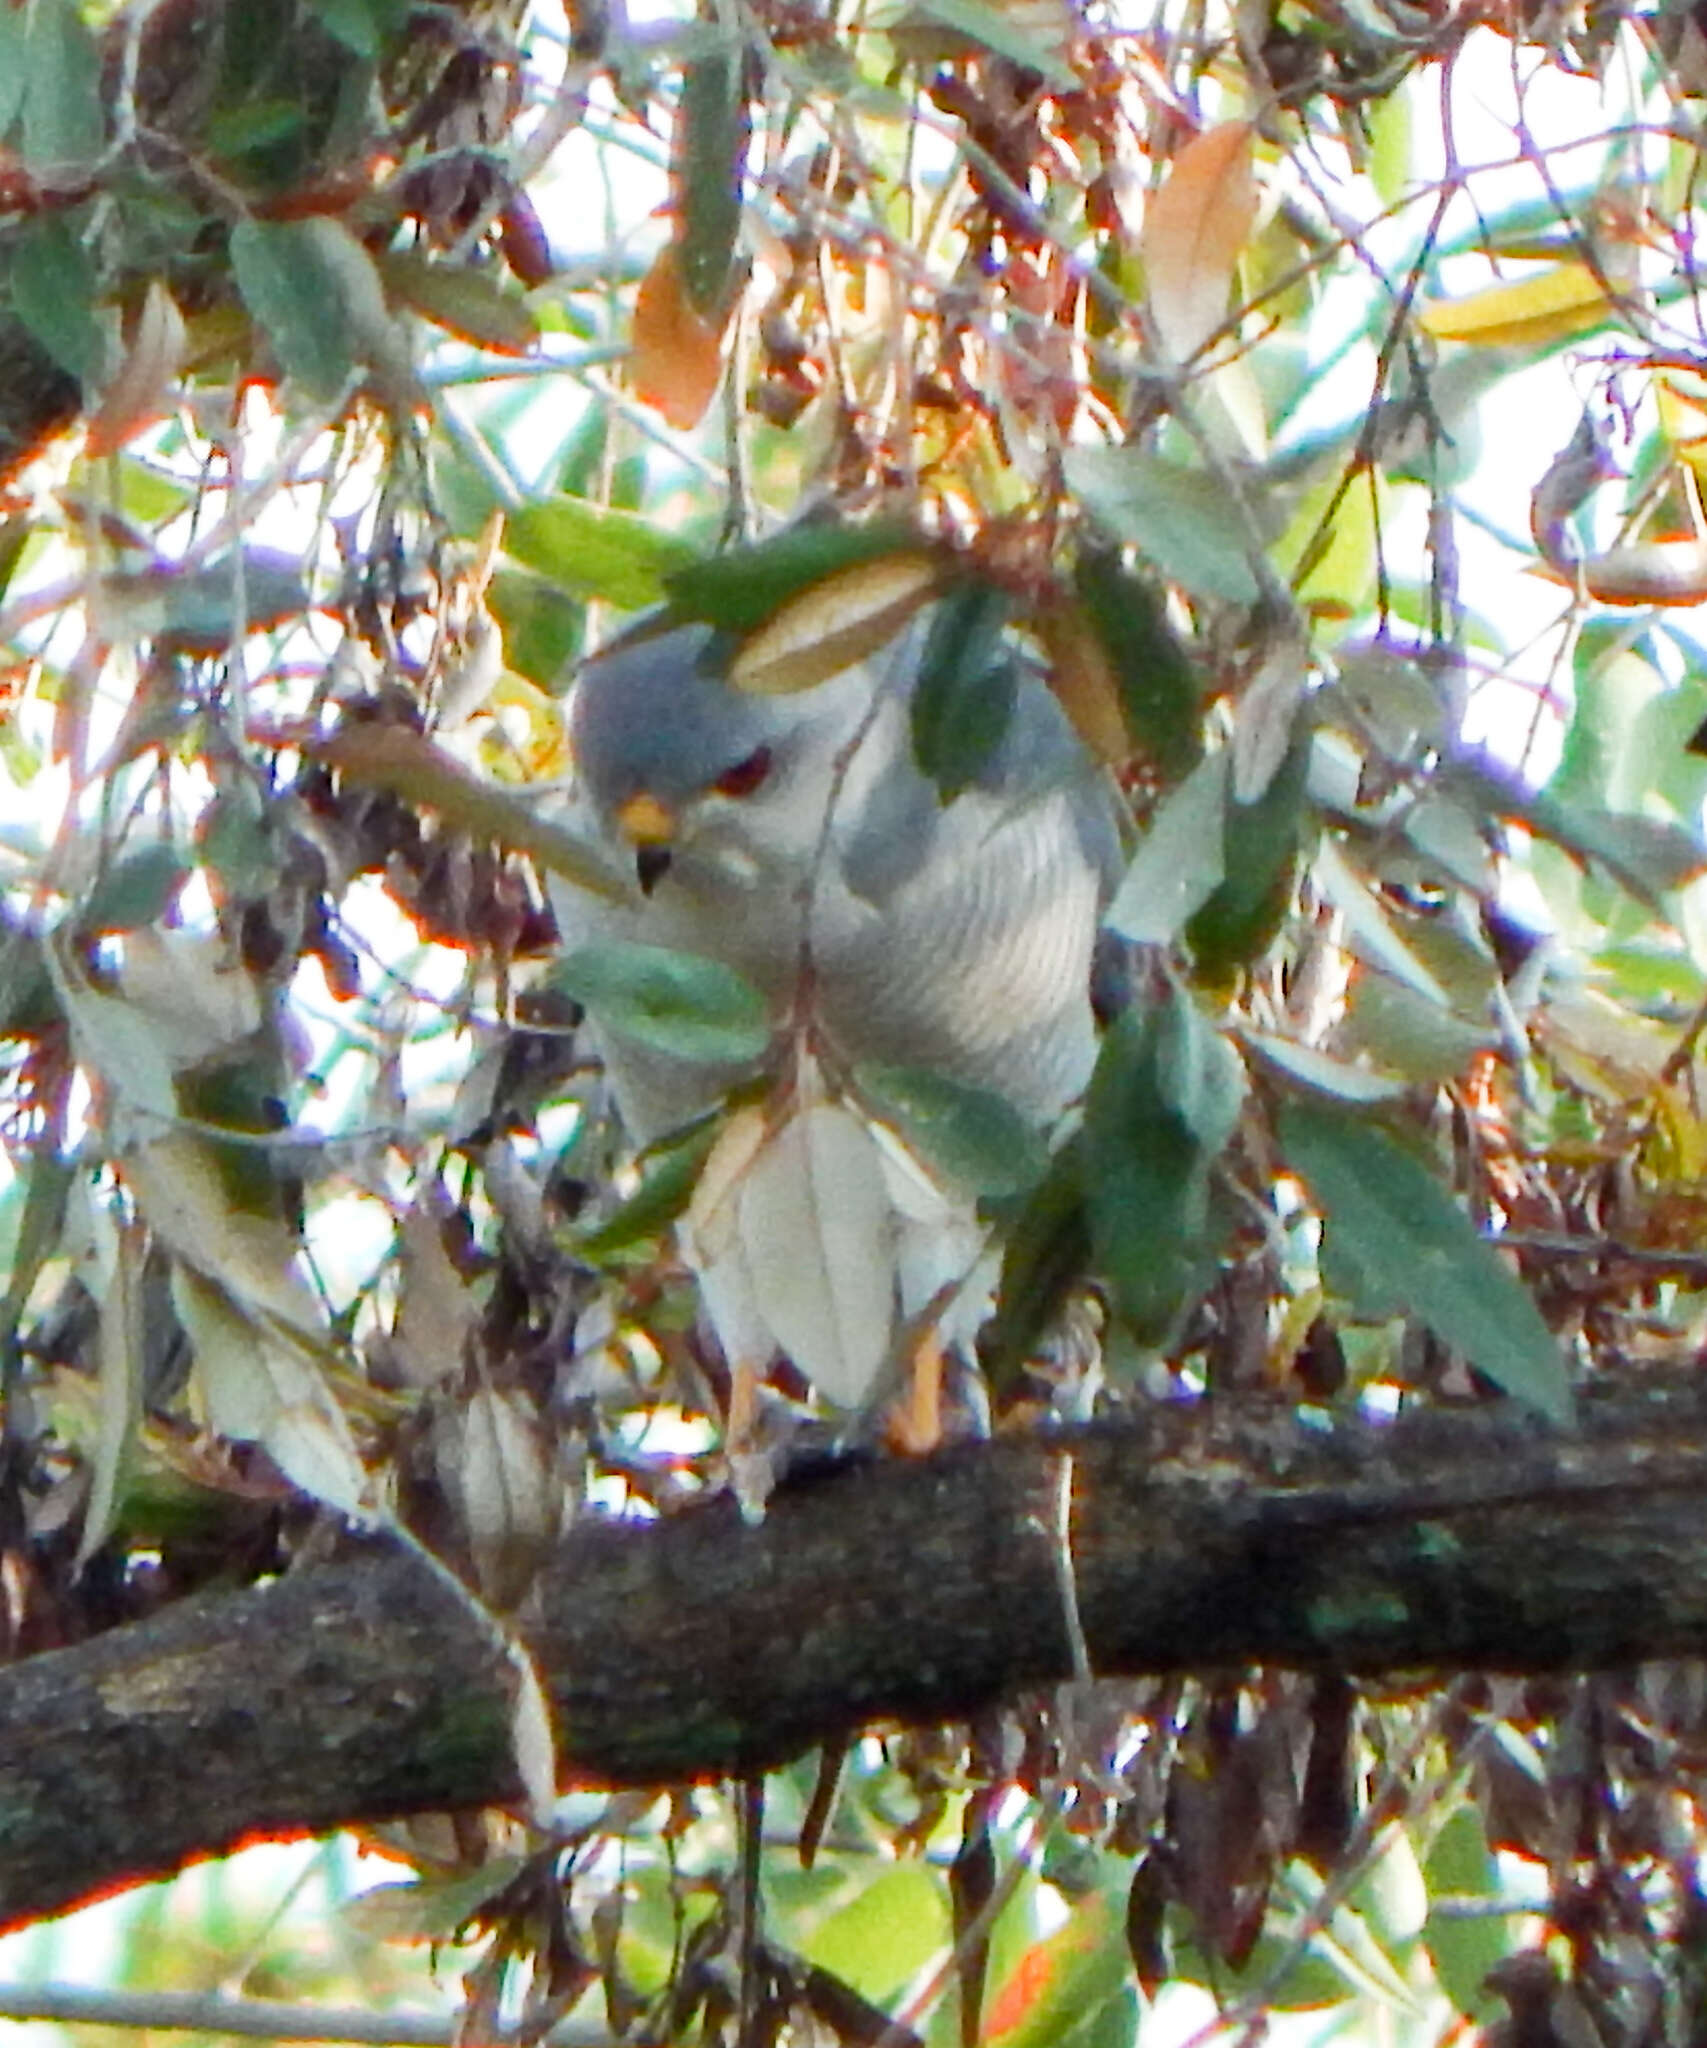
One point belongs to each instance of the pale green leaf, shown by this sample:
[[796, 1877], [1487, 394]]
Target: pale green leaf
[[1417, 1246]]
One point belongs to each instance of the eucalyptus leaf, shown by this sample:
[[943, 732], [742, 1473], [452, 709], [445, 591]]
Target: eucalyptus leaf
[[979, 1141], [677, 1003], [713, 131], [968, 683], [296, 301], [1161, 696], [596, 552], [1418, 1248], [52, 283], [1147, 1166], [1184, 520], [63, 121], [740, 589], [134, 891]]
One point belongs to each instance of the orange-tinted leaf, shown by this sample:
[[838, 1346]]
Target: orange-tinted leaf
[[1194, 230], [676, 362]]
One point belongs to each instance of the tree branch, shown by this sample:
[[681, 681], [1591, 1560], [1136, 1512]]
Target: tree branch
[[914, 1592]]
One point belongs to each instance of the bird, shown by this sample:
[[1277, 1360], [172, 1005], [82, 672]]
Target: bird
[[795, 839]]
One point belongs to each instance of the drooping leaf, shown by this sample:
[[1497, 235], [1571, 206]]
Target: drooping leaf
[[1195, 227], [1460, 1868], [596, 551], [713, 129], [134, 891], [742, 588], [677, 1003], [998, 29], [295, 300], [1046, 1250], [1551, 304], [367, 27], [1408, 1234], [145, 385], [847, 617], [979, 1142], [968, 683], [63, 123], [676, 356], [662, 1196], [541, 624], [1260, 854], [471, 304], [1182, 519], [1156, 1116], [1160, 695], [52, 283], [1180, 863]]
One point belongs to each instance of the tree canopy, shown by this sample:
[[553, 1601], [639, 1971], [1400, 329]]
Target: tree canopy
[[1316, 393]]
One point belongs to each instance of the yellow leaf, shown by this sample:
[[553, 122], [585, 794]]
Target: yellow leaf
[[676, 361], [1548, 305], [1194, 230], [835, 623]]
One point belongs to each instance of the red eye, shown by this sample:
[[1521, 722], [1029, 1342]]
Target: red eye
[[745, 776]]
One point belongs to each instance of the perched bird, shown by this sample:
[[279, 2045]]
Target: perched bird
[[793, 838]]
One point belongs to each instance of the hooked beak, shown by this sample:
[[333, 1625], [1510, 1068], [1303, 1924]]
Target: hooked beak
[[649, 826]]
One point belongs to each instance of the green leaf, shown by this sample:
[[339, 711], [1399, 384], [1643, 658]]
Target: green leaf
[[976, 1139], [713, 130], [1648, 857], [1158, 1111], [1182, 519], [541, 625], [1007, 37], [1181, 862], [1161, 698], [53, 294], [1418, 1248], [297, 300], [895, 1923], [1460, 1865], [663, 1194], [963, 701], [1260, 843], [367, 27], [14, 74], [471, 304], [742, 588], [134, 891], [63, 122], [676, 1003], [1065, 1979], [262, 588], [1046, 1252], [595, 552]]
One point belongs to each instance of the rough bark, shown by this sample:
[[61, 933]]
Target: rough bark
[[901, 1592]]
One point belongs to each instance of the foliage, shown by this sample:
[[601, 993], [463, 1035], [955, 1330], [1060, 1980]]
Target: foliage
[[1164, 349]]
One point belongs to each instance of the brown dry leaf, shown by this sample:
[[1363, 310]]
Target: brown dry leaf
[[1195, 228], [676, 355], [436, 1314], [143, 389], [1083, 678], [845, 618]]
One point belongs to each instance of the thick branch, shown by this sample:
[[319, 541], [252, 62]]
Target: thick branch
[[911, 1592]]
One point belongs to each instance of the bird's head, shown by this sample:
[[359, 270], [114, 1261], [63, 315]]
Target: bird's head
[[699, 779]]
